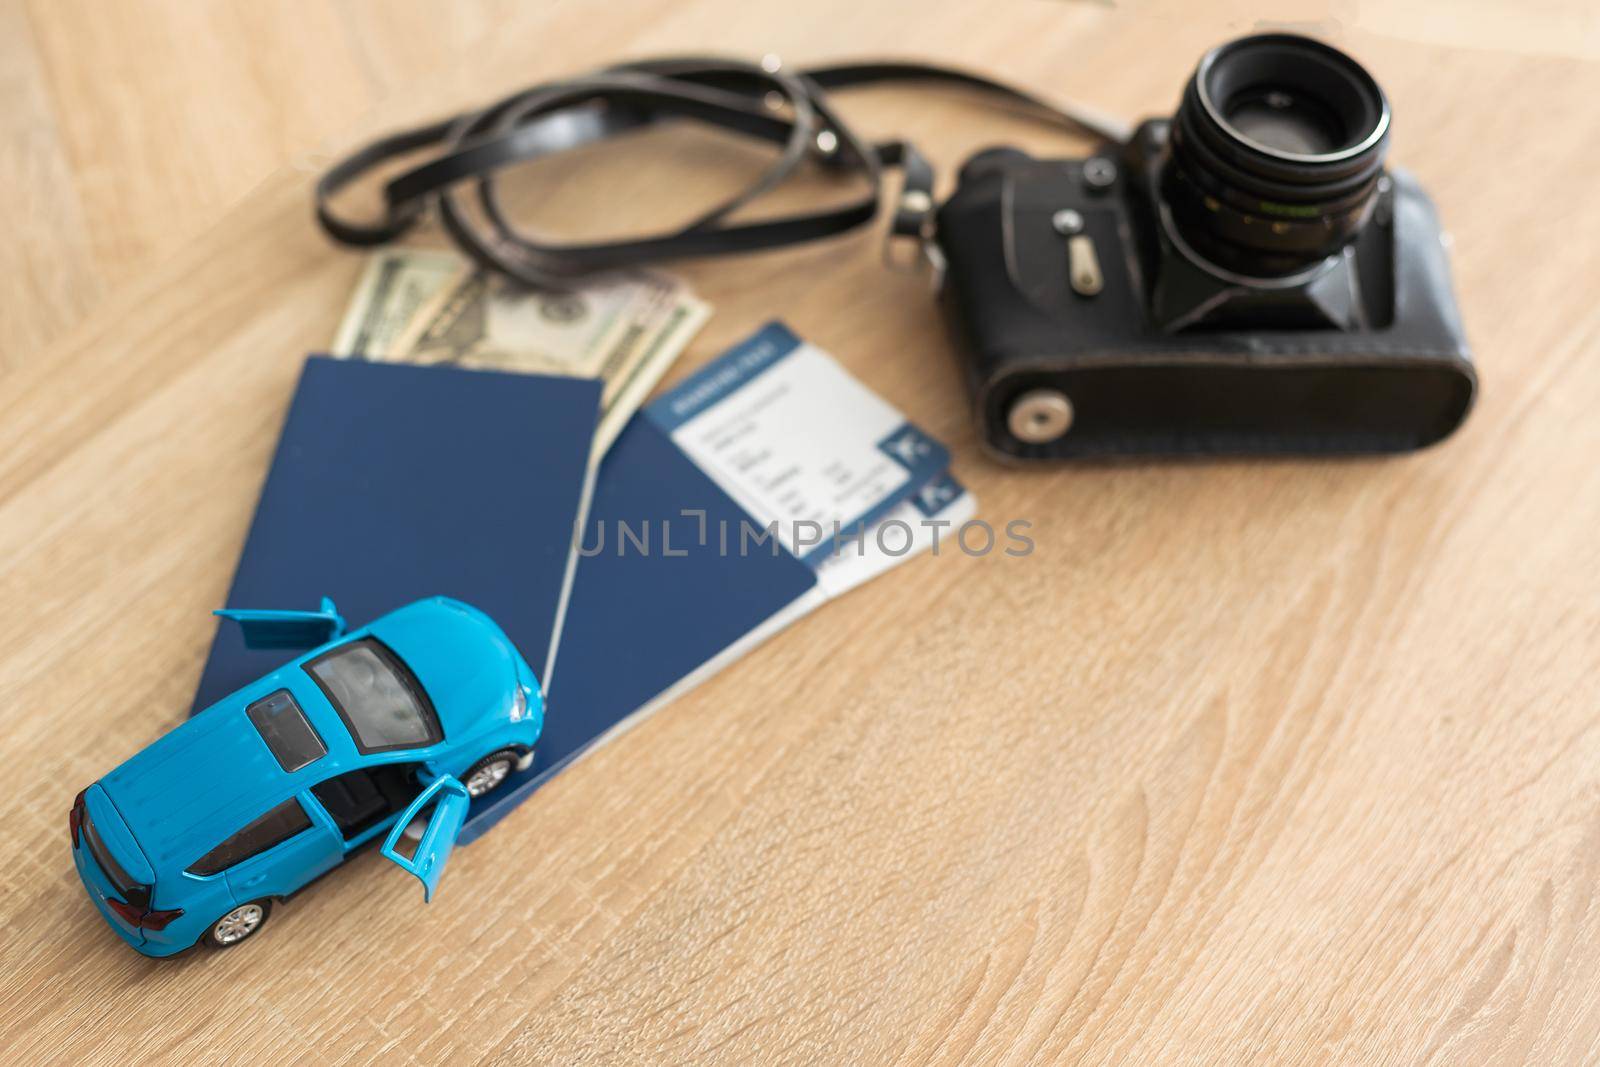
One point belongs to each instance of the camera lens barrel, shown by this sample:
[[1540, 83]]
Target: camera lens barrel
[[1277, 148]]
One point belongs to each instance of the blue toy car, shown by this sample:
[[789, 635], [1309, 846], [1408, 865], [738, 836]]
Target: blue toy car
[[193, 839]]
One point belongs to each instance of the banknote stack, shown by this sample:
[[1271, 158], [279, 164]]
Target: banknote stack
[[431, 307]]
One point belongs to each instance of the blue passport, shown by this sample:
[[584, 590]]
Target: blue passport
[[394, 482], [645, 615]]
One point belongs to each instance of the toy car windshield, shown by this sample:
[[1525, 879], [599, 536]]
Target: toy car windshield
[[376, 696]]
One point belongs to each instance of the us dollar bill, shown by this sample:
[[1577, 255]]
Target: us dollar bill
[[397, 282], [624, 329]]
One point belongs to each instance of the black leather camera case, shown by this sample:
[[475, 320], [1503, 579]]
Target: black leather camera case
[[1396, 377]]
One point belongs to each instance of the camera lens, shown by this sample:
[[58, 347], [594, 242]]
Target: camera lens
[[1285, 122], [1277, 148]]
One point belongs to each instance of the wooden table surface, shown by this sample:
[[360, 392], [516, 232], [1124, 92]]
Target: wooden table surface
[[1249, 762]]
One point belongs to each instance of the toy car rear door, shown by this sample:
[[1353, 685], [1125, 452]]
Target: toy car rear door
[[449, 798], [276, 854], [286, 629]]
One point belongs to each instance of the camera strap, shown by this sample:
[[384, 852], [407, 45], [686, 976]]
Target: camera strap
[[765, 101]]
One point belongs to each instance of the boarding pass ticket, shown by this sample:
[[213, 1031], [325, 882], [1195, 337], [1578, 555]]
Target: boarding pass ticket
[[930, 519], [798, 443]]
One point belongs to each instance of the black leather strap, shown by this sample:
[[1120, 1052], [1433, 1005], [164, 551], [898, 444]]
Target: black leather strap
[[765, 101]]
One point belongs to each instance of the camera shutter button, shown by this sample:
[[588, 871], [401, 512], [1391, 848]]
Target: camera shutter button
[[1066, 222]]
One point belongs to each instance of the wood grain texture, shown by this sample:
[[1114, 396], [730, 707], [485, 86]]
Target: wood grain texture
[[1292, 762]]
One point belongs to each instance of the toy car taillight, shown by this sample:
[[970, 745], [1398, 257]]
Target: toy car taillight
[[129, 913], [75, 817], [158, 920], [138, 918]]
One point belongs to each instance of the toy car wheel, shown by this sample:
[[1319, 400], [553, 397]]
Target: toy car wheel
[[490, 772], [239, 924]]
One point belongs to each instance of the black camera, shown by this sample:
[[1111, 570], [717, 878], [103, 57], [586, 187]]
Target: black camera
[[1244, 278]]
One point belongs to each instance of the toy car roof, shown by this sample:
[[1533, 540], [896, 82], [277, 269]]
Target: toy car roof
[[213, 774]]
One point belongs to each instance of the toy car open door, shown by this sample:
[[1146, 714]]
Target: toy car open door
[[450, 799], [286, 629]]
